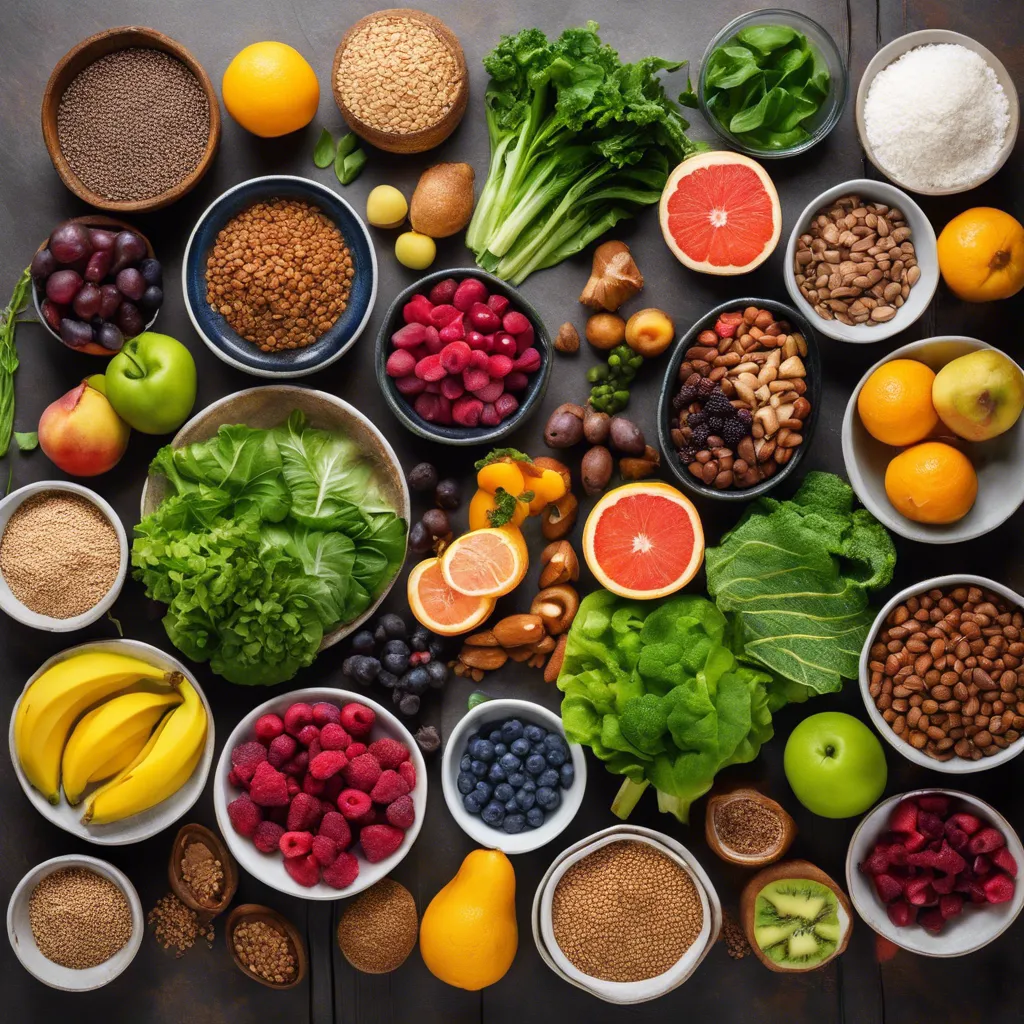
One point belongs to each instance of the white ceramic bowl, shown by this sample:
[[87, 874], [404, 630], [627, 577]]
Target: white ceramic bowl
[[269, 867], [13, 607], [67, 979], [930, 36], [618, 992], [1000, 485], [138, 826], [956, 765], [976, 927], [922, 235], [472, 824]]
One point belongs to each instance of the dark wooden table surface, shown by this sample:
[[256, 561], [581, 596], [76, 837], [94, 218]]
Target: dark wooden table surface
[[204, 986]]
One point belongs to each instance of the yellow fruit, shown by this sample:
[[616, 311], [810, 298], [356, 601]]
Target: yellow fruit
[[484, 502], [270, 89], [439, 608], [414, 250], [468, 935], [121, 757], [501, 474], [386, 207], [485, 563], [547, 488], [931, 483], [895, 403], [981, 254]]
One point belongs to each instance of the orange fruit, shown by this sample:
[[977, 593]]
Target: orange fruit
[[485, 563], [895, 403], [981, 254], [439, 608], [931, 483], [643, 540], [270, 89], [720, 213]]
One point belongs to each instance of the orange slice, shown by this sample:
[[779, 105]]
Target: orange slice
[[485, 563], [643, 540], [438, 607]]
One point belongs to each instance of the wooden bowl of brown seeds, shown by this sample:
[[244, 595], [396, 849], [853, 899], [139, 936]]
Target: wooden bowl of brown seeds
[[400, 80], [130, 119], [201, 871], [266, 946]]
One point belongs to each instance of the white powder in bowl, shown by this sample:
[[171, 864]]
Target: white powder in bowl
[[937, 117]]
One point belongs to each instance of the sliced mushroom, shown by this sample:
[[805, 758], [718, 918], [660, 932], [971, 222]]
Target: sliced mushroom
[[556, 607], [559, 564], [559, 517]]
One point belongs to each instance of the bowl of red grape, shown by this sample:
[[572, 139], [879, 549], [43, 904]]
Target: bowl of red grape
[[96, 283]]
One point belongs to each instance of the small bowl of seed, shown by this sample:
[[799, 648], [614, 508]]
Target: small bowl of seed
[[202, 872], [75, 923], [266, 946], [861, 262], [63, 556]]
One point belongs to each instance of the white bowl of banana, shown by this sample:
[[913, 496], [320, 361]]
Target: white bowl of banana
[[112, 741]]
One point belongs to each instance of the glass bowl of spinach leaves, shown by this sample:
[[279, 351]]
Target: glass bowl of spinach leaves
[[772, 83]]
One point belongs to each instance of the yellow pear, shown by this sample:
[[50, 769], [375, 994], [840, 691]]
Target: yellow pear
[[468, 935]]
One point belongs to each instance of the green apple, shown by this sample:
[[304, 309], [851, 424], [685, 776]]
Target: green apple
[[151, 383], [835, 765]]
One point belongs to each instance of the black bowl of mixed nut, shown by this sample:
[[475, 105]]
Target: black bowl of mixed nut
[[942, 673], [740, 397]]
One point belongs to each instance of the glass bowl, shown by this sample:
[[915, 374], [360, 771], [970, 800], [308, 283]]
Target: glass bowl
[[828, 113]]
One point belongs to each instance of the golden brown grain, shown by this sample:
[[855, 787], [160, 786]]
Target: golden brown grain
[[265, 951]]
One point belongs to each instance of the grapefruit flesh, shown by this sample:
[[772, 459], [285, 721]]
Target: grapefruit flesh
[[720, 213], [643, 540], [439, 608]]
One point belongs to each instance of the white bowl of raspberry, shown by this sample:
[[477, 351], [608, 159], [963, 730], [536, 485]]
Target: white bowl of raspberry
[[301, 812]]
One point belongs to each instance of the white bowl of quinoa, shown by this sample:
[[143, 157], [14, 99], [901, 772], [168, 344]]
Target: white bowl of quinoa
[[63, 556]]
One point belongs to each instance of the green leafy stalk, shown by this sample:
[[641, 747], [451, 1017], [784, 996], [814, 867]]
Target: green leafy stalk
[[9, 357], [499, 455]]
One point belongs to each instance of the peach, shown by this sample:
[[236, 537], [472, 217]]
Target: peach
[[81, 434]]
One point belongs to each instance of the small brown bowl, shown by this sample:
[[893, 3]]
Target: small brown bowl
[[769, 855], [256, 912], [213, 842], [88, 52], [425, 138]]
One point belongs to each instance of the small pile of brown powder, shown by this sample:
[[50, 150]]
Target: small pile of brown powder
[[177, 926], [747, 827], [202, 873]]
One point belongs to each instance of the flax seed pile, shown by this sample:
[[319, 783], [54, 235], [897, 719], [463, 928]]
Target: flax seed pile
[[626, 913], [280, 274], [747, 826], [176, 925], [398, 75], [265, 951]]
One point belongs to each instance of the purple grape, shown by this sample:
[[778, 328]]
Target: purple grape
[[152, 271], [74, 333], [63, 286], [110, 337], [130, 320], [152, 299], [102, 240], [43, 265], [70, 242], [87, 302], [99, 265], [130, 283], [110, 300], [129, 248], [53, 314]]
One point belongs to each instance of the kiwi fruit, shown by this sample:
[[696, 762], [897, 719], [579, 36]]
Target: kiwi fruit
[[795, 917]]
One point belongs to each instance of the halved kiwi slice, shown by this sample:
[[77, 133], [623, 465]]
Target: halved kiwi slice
[[795, 917]]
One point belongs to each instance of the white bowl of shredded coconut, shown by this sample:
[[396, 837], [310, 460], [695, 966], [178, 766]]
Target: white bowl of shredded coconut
[[937, 112]]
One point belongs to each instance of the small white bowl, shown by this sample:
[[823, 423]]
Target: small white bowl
[[138, 826], [269, 867], [1000, 485], [67, 979], [976, 927], [625, 993], [922, 235], [18, 611], [956, 765], [930, 36], [472, 824]]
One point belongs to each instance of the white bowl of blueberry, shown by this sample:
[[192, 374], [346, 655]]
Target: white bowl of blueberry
[[510, 778]]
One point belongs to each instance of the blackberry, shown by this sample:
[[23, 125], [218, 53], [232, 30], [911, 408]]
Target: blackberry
[[695, 419], [700, 437], [719, 405], [745, 416], [706, 387], [678, 401], [687, 455], [716, 424], [733, 432]]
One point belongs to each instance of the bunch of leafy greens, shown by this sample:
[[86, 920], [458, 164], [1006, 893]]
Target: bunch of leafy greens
[[267, 540], [579, 141], [763, 85], [655, 692]]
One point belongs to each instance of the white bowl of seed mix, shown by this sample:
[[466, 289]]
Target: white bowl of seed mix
[[63, 556]]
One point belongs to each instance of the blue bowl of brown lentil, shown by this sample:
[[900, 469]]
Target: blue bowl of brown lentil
[[310, 311]]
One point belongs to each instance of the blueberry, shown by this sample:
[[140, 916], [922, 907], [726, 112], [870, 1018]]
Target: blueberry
[[500, 750], [529, 786], [538, 748], [510, 762], [437, 672], [534, 733], [535, 817], [465, 763], [494, 735], [503, 792], [514, 823], [535, 764], [387, 679], [485, 789], [398, 692], [472, 739], [556, 758], [473, 802], [511, 807], [548, 798], [362, 668], [516, 779], [548, 777], [466, 783], [436, 648], [409, 705], [394, 626], [478, 768], [555, 742], [524, 799], [520, 747], [496, 773], [395, 662], [418, 681], [483, 750], [380, 635], [566, 775], [493, 814], [419, 639], [511, 730], [363, 642]]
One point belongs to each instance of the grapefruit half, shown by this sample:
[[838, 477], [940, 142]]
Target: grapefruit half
[[643, 540], [439, 608], [720, 213]]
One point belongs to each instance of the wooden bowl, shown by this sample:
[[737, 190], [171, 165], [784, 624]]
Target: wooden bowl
[[213, 842], [88, 52], [256, 912], [425, 138]]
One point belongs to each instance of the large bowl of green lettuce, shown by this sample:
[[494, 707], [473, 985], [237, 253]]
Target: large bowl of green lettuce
[[273, 525]]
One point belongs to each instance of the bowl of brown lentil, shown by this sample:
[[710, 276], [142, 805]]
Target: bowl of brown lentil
[[63, 556], [130, 119], [279, 276], [266, 946], [400, 80], [75, 923]]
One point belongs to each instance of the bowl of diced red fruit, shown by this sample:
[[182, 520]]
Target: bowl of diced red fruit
[[319, 793], [462, 358], [936, 872]]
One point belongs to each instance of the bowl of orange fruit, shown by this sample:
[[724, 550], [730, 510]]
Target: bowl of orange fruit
[[933, 438]]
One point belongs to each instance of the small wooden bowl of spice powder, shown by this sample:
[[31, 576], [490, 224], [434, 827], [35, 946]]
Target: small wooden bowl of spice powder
[[202, 873], [746, 827], [63, 556], [266, 946], [400, 80]]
